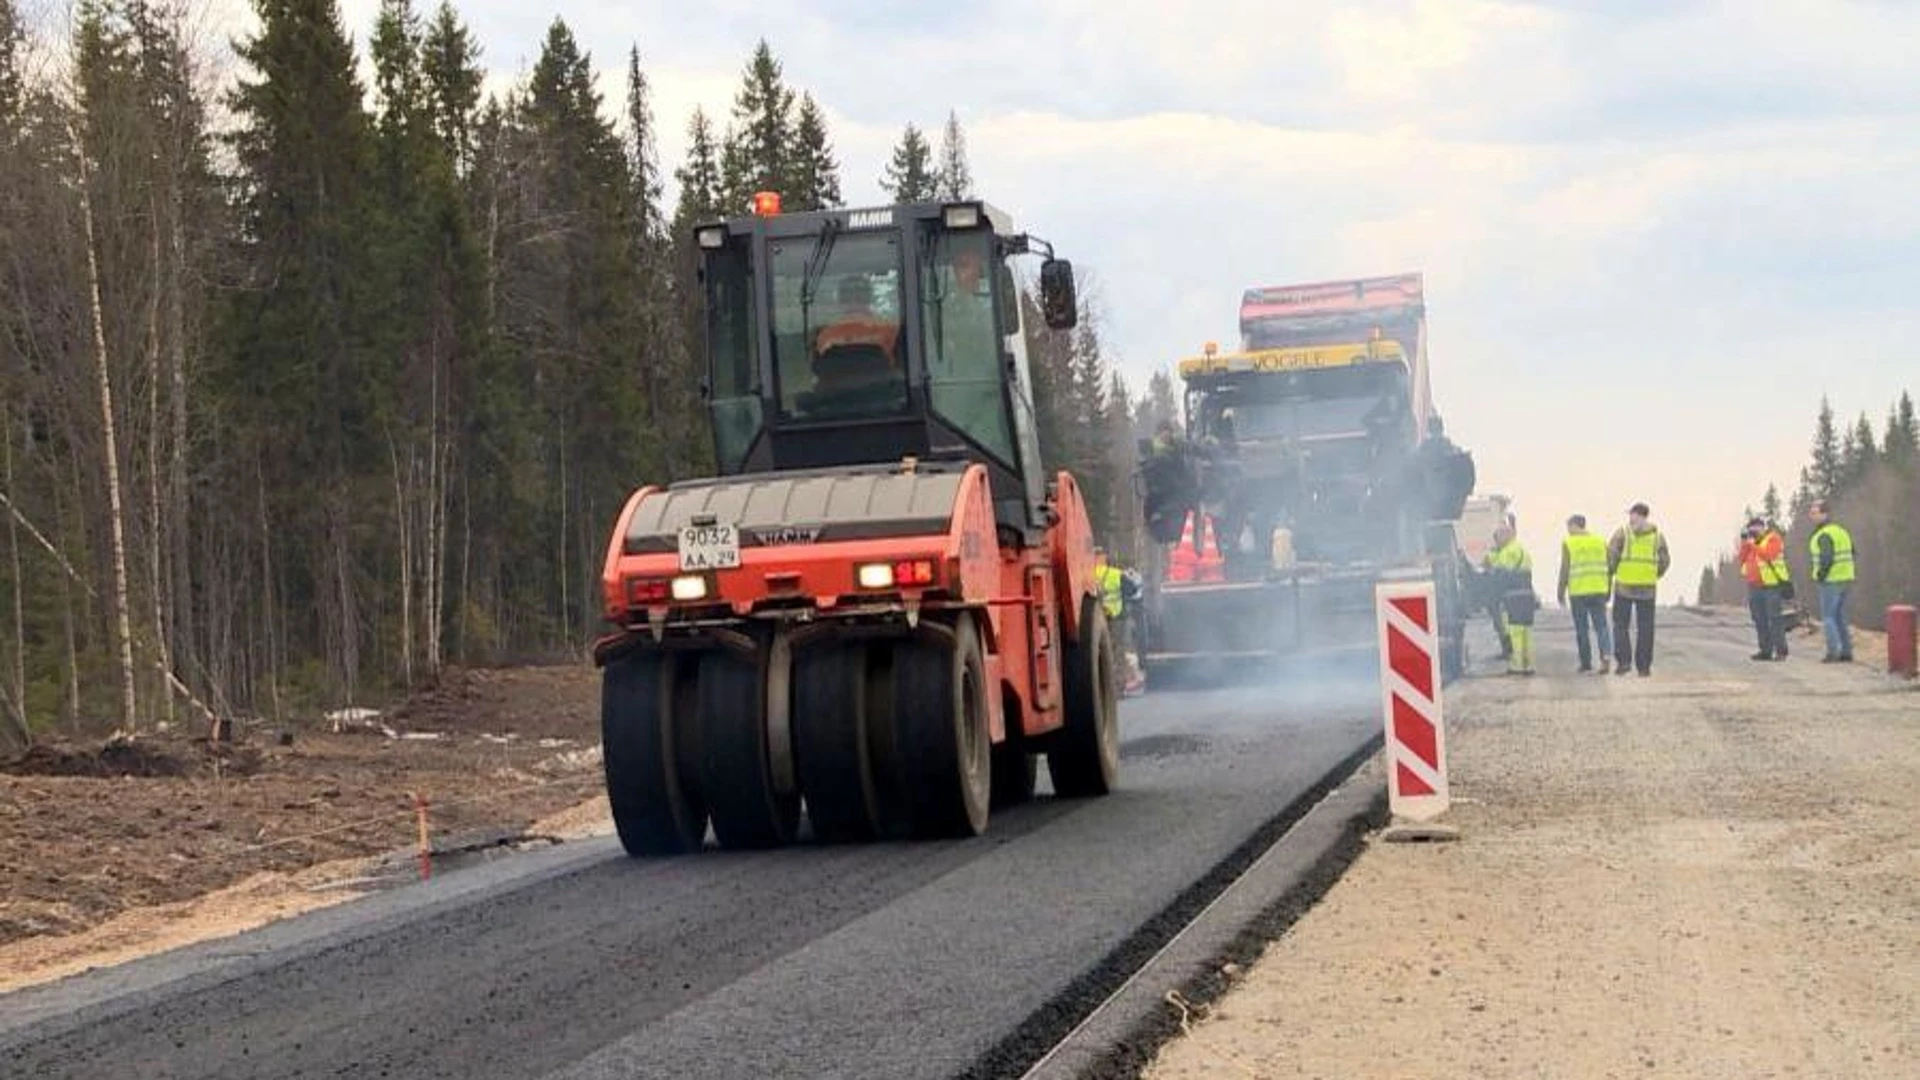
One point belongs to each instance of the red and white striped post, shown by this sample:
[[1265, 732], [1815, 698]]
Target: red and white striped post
[[1416, 744]]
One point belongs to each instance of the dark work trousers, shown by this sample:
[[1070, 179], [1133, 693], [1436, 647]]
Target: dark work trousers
[[1626, 649], [1589, 625], [1769, 623]]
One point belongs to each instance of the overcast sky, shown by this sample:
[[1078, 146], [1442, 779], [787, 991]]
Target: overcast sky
[[1653, 232]]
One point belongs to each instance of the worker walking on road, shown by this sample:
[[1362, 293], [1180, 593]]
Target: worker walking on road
[[1833, 568], [1584, 585], [1763, 562], [1513, 578], [1638, 558]]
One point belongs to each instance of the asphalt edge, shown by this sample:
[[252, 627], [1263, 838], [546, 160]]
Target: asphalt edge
[[50, 1010], [1054, 1041], [1323, 846]]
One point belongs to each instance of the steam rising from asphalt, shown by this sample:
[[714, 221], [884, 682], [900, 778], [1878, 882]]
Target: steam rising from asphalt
[[1335, 683]]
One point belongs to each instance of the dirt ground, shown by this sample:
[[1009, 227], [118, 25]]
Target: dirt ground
[[110, 851], [1712, 873]]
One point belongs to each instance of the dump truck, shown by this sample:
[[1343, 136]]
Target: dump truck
[[1312, 466], [882, 611]]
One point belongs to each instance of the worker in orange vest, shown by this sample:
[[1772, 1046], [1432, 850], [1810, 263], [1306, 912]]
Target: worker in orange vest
[[1763, 562]]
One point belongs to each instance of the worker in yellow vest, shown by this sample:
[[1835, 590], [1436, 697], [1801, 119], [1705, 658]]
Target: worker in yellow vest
[[1833, 568], [1512, 568], [1585, 584], [1115, 586], [1637, 555]]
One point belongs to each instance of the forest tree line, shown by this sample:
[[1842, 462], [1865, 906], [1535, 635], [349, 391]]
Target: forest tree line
[[301, 405], [1871, 483]]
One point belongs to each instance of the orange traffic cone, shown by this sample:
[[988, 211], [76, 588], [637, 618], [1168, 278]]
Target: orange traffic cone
[[1211, 566], [1182, 560]]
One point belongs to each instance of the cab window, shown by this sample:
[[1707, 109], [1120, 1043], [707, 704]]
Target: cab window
[[734, 402], [962, 341], [838, 349]]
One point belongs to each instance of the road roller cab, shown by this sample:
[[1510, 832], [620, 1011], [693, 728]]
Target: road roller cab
[[882, 610]]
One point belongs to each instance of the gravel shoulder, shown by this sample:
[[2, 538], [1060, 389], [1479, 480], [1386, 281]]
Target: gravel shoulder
[[1708, 873]]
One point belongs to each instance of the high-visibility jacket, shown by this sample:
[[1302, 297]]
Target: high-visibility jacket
[[1842, 570], [1639, 559], [1110, 580], [1511, 556], [1586, 565], [1512, 566], [1763, 562]]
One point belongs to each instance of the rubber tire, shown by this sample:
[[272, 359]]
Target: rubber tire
[[655, 810], [945, 750], [1084, 756], [736, 774], [1016, 772], [830, 746]]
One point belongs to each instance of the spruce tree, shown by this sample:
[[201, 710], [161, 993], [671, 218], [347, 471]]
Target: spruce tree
[[1116, 436], [1823, 473], [760, 137], [699, 177], [1803, 496], [669, 384], [1902, 439], [1050, 369], [910, 176], [1859, 450], [450, 68], [579, 335], [816, 175], [956, 176], [643, 163], [305, 364], [13, 35], [1160, 403], [395, 47], [434, 329], [700, 182]]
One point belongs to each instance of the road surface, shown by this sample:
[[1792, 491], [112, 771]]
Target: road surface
[[895, 960]]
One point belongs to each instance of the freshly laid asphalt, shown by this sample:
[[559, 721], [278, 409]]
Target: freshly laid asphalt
[[899, 960]]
